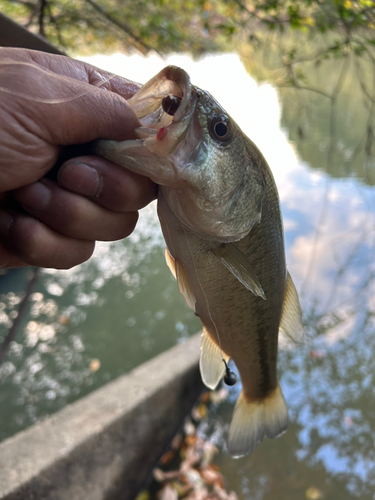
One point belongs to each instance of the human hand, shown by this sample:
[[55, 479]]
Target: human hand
[[47, 102]]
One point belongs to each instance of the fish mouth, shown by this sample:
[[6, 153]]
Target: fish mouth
[[166, 100]]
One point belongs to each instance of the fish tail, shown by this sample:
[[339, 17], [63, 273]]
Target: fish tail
[[253, 420]]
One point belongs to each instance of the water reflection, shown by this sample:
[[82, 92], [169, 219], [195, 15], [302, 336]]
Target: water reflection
[[96, 321], [88, 325]]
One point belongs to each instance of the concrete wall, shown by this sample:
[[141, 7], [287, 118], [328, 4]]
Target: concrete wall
[[104, 445]]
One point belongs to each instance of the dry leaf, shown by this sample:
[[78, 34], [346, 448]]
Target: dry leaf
[[94, 365], [176, 442], [64, 320], [219, 396], [348, 421], [313, 494], [209, 451], [167, 457], [212, 476], [143, 495], [205, 397], [161, 476], [168, 493], [189, 427], [317, 354], [191, 440]]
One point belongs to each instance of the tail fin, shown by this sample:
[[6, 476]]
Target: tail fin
[[254, 420]]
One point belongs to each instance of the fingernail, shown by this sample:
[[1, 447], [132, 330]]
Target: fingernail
[[6, 221], [80, 178], [35, 196]]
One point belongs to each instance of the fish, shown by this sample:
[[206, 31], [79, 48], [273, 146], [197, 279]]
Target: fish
[[219, 211]]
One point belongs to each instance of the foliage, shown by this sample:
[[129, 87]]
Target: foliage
[[200, 26], [288, 42]]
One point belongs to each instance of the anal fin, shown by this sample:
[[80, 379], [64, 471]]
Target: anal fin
[[291, 318], [211, 363]]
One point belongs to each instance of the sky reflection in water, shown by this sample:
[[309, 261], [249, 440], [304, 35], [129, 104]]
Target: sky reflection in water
[[122, 307]]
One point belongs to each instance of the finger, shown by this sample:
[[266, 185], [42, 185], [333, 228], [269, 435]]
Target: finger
[[75, 69], [54, 101], [110, 185], [72, 215], [36, 244]]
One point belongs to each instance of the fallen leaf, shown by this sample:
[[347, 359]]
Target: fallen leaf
[[205, 397], [313, 493], [143, 495], [189, 427], [348, 421], [176, 442], [167, 457], [219, 396], [168, 493], [191, 440], [212, 476], [318, 354], [64, 320], [209, 451], [94, 365]]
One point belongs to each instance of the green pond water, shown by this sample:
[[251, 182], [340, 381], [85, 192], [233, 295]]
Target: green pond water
[[122, 307]]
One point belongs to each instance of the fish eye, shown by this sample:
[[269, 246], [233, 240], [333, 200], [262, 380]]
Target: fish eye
[[220, 130]]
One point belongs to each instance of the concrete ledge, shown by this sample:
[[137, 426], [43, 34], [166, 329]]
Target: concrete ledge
[[103, 446]]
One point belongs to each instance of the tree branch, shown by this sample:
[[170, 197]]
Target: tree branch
[[42, 8], [119, 24], [55, 23]]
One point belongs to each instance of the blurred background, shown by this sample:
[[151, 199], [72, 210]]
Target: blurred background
[[299, 78]]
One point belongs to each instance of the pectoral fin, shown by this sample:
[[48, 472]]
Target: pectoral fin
[[234, 260], [291, 319], [211, 362]]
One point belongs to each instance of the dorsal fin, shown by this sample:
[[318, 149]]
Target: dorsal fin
[[237, 263], [291, 318], [211, 361]]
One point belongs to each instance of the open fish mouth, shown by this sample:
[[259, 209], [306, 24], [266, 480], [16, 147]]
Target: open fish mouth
[[169, 132], [166, 101]]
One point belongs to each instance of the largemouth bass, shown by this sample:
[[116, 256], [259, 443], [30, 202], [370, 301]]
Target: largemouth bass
[[219, 211]]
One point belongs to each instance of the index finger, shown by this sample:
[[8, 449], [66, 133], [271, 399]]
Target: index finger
[[72, 68]]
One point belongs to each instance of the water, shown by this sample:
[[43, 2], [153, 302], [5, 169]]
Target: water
[[88, 325]]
